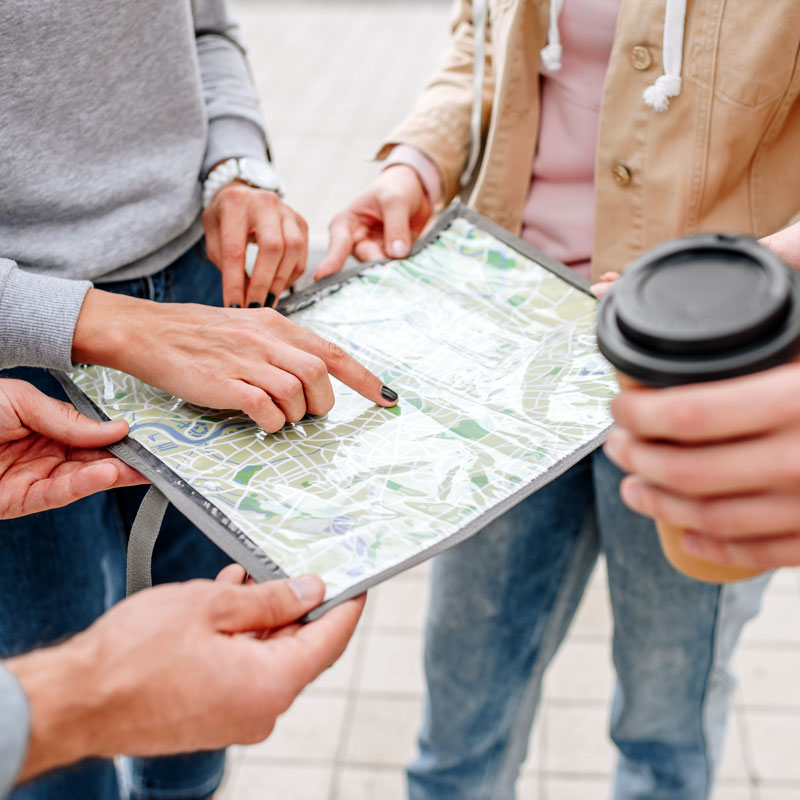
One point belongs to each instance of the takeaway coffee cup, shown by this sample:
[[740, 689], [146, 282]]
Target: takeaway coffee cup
[[703, 308]]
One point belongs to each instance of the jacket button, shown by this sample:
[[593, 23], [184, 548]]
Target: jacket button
[[641, 58], [622, 175]]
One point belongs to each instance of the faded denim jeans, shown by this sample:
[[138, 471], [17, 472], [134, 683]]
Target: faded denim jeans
[[500, 606]]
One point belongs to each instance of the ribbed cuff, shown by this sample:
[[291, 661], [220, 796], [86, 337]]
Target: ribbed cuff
[[428, 171], [15, 729], [232, 137], [37, 318]]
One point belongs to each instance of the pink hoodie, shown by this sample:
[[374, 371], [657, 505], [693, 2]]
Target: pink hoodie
[[559, 213]]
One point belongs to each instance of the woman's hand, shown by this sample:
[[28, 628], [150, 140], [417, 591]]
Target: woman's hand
[[240, 214], [382, 222], [256, 361]]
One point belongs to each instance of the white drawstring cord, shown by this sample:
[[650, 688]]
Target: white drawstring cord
[[551, 54], [669, 84]]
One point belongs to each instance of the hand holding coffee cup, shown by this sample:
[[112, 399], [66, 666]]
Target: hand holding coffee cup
[[700, 309]]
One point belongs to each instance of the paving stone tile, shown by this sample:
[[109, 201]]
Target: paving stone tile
[[784, 580], [281, 782], [310, 730], [226, 790], [768, 677], [577, 741], [399, 605], [774, 741], [339, 677], [383, 731], [528, 787], [580, 671], [593, 618], [576, 789], [785, 792], [729, 790], [392, 663], [370, 784], [778, 622], [599, 578], [422, 572]]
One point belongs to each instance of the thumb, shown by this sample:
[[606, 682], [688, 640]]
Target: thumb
[[396, 213], [340, 247], [59, 420], [259, 607]]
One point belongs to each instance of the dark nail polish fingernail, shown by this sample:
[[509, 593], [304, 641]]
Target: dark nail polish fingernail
[[254, 305], [234, 305], [388, 394], [270, 300]]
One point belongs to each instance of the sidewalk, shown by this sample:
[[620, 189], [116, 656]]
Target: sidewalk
[[349, 735], [335, 75]]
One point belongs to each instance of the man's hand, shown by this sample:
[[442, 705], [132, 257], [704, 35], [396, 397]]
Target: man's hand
[[721, 460], [50, 455], [255, 361], [382, 222], [239, 214], [180, 668]]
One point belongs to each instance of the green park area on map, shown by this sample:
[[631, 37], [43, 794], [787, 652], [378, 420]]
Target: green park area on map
[[499, 379]]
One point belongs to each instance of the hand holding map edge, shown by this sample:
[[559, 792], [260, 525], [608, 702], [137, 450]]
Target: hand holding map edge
[[256, 361], [382, 222], [50, 455], [180, 667]]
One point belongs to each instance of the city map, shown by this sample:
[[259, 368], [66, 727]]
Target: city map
[[499, 378]]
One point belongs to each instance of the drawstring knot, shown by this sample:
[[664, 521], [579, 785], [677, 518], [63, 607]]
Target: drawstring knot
[[657, 96], [551, 57], [551, 54], [669, 84]]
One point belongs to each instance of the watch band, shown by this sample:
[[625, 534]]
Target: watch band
[[242, 169]]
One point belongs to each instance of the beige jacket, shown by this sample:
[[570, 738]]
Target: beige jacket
[[724, 156]]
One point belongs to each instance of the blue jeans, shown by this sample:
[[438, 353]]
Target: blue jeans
[[61, 570], [501, 604]]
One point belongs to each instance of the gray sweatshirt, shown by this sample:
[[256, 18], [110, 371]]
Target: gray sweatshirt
[[111, 114], [14, 729]]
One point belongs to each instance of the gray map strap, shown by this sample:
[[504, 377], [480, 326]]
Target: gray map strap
[[143, 539]]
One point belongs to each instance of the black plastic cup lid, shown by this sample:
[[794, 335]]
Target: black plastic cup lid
[[702, 308]]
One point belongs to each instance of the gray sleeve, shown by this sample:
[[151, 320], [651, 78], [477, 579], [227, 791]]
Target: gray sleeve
[[15, 726], [235, 122], [37, 318]]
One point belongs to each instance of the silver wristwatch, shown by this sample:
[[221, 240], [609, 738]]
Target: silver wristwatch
[[252, 171]]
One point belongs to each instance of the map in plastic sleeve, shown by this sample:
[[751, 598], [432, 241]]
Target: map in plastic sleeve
[[500, 383]]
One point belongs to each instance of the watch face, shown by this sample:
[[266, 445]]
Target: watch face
[[259, 173]]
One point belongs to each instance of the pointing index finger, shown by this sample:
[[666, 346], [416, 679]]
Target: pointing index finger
[[342, 365]]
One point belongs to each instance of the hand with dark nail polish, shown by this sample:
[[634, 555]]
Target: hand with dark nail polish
[[270, 300], [234, 305], [388, 394], [254, 305]]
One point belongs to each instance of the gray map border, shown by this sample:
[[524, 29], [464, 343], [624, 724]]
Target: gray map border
[[233, 541]]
